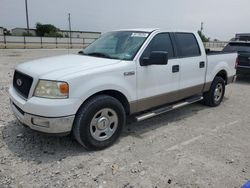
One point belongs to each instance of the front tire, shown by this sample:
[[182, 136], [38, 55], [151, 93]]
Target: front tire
[[216, 93], [99, 122]]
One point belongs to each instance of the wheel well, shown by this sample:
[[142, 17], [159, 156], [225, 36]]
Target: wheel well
[[118, 95], [223, 75]]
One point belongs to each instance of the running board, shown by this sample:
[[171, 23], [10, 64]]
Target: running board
[[168, 108]]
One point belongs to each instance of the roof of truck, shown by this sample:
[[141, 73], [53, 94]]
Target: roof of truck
[[155, 29], [140, 29], [239, 42]]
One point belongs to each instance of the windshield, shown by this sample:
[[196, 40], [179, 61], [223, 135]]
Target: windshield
[[117, 45], [237, 47]]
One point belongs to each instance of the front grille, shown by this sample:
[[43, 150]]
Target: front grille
[[22, 83]]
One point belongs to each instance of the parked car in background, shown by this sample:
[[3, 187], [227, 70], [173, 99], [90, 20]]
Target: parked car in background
[[243, 61], [145, 72]]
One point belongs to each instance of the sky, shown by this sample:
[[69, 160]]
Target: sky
[[222, 18]]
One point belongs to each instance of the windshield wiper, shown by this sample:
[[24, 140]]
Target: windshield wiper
[[98, 54]]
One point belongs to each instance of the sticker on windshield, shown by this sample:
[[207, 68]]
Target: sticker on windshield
[[144, 35]]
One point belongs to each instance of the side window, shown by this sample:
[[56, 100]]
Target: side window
[[187, 45], [160, 42]]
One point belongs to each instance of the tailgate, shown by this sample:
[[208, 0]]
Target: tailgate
[[244, 59]]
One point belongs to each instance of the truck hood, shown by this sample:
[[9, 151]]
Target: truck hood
[[59, 66]]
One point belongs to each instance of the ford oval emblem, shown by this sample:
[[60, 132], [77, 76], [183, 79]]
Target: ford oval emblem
[[19, 82]]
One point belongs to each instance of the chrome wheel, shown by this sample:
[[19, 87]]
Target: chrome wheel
[[104, 124], [218, 92]]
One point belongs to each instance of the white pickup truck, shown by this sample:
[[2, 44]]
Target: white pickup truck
[[144, 72]]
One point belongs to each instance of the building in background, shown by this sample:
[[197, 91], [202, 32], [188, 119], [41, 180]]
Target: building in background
[[80, 34], [65, 33], [21, 31]]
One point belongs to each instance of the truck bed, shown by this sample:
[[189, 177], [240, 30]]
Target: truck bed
[[226, 60]]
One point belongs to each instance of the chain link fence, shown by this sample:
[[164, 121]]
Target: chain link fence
[[12, 42], [57, 42], [216, 46]]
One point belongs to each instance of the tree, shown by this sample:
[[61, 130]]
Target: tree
[[203, 37], [47, 30], [6, 31]]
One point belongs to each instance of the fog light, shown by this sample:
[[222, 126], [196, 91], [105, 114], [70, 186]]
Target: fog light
[[40, 122]]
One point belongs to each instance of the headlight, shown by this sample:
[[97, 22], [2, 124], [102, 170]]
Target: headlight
[[52, 89]]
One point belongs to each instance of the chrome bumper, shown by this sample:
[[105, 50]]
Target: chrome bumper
[[57, 125]]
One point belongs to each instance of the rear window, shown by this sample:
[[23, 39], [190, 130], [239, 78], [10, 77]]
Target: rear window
[[187, 45], [237, 47]]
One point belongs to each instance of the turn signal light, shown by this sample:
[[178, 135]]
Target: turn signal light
[[64, 88]]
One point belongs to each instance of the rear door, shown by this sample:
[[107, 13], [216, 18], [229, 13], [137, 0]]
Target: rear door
[[192, 64]]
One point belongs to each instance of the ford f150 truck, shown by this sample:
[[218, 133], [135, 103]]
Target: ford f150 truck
[[144, 72]]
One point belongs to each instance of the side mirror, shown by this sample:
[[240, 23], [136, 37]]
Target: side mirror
[[155, 58], [80, 52]]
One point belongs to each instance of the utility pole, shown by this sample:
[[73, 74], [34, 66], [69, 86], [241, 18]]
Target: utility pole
[[27, 16], [70, 31], [202, 27]]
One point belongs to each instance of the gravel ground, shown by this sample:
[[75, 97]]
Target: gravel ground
[[195, 146]]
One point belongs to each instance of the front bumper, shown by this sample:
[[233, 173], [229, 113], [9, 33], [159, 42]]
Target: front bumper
[[57, 125], [45, 115]]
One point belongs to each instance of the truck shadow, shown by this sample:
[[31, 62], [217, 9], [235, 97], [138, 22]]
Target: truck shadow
[[38, 147], [41, 148]]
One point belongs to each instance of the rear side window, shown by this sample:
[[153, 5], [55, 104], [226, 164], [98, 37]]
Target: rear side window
[[187, 45], [160, 42]]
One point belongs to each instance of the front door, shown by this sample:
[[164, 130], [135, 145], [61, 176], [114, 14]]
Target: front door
[[158, 84]]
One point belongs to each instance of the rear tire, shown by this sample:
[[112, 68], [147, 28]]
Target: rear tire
[[99, 122], [216, 93]]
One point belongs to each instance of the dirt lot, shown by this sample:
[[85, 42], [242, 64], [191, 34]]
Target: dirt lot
[[195, 146]]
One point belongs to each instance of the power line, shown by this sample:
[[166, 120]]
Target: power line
[[27, 16], [70, 31]]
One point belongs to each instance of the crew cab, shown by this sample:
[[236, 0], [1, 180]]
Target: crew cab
[[144, 72], [243, 50]]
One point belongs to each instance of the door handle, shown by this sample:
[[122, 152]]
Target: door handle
[[202, 64], [175, 68]]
